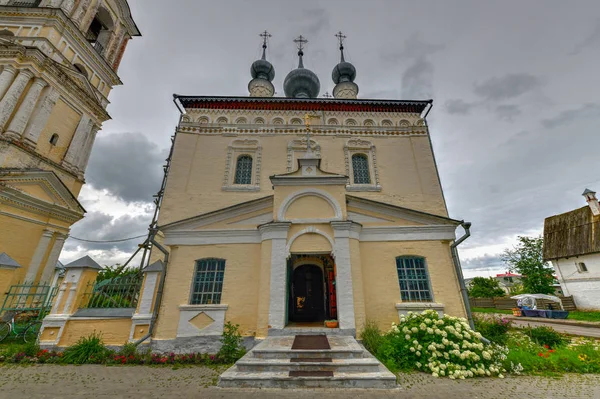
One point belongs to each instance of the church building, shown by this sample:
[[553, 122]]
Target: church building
[[58, 63], [280, 213]]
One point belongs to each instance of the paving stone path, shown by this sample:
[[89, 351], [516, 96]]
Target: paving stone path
[[51, 381]]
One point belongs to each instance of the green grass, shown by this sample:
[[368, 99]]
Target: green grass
[[575, 315]]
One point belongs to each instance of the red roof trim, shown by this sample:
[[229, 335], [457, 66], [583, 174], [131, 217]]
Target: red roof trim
[[299, 105]]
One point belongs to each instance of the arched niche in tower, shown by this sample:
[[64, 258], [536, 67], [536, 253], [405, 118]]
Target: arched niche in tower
[[100, 30]]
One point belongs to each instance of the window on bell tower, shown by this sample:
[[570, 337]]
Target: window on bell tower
[[243, 170]]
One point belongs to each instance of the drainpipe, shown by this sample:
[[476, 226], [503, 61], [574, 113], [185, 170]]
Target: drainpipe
[[459, 273]]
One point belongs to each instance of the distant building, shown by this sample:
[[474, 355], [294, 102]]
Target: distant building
[[572, 245]]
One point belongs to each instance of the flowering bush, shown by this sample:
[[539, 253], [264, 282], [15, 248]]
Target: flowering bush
[[443, 346], [493, 328]]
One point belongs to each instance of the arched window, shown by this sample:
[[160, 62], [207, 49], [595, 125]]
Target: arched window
[[413, 279], [54, 139], [208, 281], [243, 170], [360, 169]]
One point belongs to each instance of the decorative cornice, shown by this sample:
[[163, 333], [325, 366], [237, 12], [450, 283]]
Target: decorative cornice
[[209, 237]]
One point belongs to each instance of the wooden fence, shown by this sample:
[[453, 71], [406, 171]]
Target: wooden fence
[[507, 303]]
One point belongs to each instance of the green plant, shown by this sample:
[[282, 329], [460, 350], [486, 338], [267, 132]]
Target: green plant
[[231, 343], [88, 350], [442, 346], [371, 337], [117, 270], [482, 287], [493, 328], [546, 336], [128, 349]]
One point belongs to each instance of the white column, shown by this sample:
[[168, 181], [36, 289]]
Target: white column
[[277, 233], [6, 78], [87, 150], [77, 142], [38, 255], [9, 102], [40, 118], [67, 6], [19, 122], [343, 274], [59, 241]]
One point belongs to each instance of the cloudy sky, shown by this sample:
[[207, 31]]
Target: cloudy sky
[[515, 88]]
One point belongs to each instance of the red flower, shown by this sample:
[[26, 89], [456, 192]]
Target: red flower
[[540, 354], [546, 346]]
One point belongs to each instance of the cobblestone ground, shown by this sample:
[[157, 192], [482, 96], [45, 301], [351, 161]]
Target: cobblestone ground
[[51, 381]]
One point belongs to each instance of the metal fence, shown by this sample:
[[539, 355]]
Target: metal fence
[[28, 298], [117, 292]]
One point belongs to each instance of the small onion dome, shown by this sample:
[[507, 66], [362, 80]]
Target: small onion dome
[[343, 72], [262, 69]]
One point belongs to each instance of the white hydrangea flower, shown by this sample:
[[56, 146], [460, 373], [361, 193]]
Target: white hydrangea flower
[[418, 353], [407, 336], [414, 330], [429, 330]]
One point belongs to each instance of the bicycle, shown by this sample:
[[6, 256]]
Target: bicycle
[[28, 330]]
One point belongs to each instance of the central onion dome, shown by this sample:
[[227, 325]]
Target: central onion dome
[[263, 73], [301, 82]]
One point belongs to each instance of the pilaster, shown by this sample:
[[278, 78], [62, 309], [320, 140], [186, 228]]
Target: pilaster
[[277, 233], [11, 98], [19, 121], [38, 255], [343, 232], [40, 118], [77, 143], [47, 274], [87, 150]]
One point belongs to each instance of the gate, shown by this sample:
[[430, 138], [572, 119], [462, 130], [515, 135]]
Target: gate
[[32, 299]]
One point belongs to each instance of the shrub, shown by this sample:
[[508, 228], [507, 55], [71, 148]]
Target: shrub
[[443, 346], [493, 328], [90, 350], [128, 349], [371, 337], [231, 348], [546, 336]]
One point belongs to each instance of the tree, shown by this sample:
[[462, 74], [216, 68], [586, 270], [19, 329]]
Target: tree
[[482, 287], [526, 259]]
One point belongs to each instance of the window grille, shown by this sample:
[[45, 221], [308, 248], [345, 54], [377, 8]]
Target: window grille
[[208, 281], [243, 170], [360, 169], [413, 279]]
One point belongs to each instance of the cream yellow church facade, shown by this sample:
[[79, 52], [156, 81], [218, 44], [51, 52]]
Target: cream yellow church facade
[[58, 64], [282, 212]]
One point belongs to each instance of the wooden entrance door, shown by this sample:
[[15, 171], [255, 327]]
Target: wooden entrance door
[[307, 300]]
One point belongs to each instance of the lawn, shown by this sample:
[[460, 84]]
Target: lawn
[[575, 315]]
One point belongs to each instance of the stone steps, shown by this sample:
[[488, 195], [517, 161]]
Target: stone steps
[[268, 365], [345, 365]]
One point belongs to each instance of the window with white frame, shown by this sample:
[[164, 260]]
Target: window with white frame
[[242, 166], [208, 281], [413, 279], [361, 165]]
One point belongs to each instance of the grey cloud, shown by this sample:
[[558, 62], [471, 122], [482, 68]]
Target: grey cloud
[[458, 106], [99, 226], [586, 111], [489, 262], [508, 86], [591, 40], [417, 80], [507, 112], [128, 165], [317, 20], [414, 48]]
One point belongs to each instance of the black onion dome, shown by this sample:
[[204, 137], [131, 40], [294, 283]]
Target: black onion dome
[[343, 72], [262, 69], [301, 83]]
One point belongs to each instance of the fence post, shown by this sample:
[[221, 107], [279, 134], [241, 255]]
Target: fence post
[[147, 301], [78, 275]]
